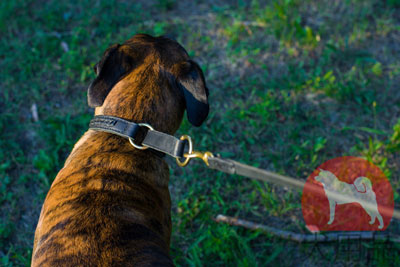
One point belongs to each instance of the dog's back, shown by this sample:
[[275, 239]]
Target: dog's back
[[97, 214]]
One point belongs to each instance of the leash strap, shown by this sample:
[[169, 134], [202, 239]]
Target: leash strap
[[155, 140], [234, 167]]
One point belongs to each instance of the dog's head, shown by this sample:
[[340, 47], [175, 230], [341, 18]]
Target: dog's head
[[149, 79]]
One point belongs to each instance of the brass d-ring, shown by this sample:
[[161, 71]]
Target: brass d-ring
[[187, 159], [137, 146]]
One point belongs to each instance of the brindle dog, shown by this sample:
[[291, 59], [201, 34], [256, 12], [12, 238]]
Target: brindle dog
[[110, 204]]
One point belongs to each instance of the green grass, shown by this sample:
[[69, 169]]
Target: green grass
[[293, 83]]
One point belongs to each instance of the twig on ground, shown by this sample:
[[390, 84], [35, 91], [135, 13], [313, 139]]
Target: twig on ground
[[302, 238], [254, 24], [34, 111], [64, 46]]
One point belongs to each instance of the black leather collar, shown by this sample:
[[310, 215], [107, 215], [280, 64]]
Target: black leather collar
[[159, 142]]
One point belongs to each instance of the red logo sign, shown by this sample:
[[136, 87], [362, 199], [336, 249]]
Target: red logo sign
[[347, 194]]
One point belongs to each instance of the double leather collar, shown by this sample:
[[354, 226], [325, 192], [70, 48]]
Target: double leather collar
[[157, 141]]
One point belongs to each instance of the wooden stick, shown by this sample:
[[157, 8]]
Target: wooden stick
[[303, 238]]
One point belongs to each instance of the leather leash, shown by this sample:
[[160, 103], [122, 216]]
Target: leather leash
[[176, 148]]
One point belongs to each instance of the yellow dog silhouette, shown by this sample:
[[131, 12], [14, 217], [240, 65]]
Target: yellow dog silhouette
[[360, 191]]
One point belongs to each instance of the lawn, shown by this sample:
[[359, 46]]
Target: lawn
[[292, 84]]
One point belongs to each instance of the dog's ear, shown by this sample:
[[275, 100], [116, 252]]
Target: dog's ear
[[190, 79], [112, 66]]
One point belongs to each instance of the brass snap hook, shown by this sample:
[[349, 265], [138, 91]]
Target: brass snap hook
[[193, 154]]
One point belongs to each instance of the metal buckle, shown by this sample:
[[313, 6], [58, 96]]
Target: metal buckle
[[137, 146]]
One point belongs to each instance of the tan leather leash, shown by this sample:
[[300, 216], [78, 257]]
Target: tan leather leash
[[234, 167]]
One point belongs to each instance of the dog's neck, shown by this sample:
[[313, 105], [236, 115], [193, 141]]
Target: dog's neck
[[154, 103], [113, 147]]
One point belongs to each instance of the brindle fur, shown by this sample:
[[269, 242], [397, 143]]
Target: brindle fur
[[110, 204]]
